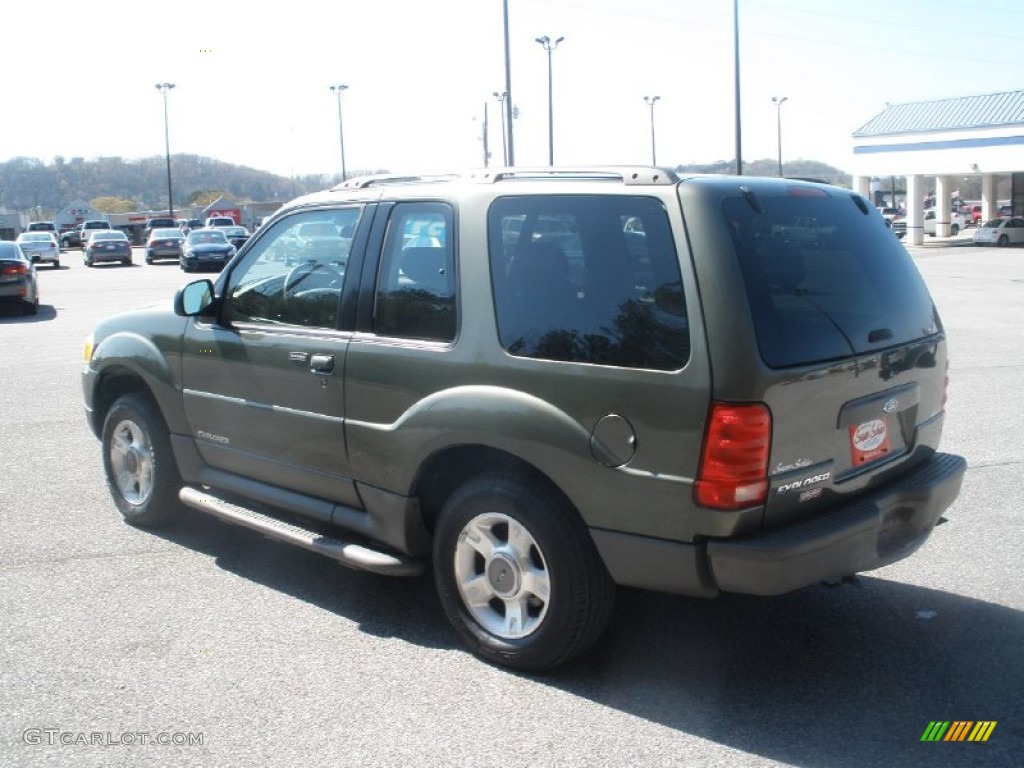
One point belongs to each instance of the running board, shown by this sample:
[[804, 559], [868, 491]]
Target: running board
[[347, 553]]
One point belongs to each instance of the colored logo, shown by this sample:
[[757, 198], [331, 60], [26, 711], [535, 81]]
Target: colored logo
[[958, 730]]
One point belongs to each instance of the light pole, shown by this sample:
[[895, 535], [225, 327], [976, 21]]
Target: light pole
[[164, 88], [651, 101], [549, 46], [778, 101], [507, 116], [500, 96], [338, 90]]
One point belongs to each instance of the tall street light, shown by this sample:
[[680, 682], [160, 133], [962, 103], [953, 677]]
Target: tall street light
[[778, 101], [507, 116], [164, 88], [549, 46], [500, 96], [651, 101], [338, 90]]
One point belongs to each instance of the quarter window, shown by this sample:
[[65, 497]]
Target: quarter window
[[588, 279]]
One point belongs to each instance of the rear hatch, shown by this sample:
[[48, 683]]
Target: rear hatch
[[852, 351]]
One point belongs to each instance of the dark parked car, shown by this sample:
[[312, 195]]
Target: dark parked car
[[206, 248], [18, 282], [40, 248], [692, 384], [164, 244], [71, 238], [105, 245], [236, 235]]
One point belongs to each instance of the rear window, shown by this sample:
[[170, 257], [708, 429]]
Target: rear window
[[824, 280]]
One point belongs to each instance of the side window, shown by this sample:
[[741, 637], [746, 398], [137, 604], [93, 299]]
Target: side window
[[416, 283], [589, 279], [294, 273]]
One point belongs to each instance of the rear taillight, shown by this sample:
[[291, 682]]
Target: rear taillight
[[734, 458], [14, 269]]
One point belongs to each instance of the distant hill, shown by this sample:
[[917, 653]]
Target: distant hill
[[810, 169], [27, 183]]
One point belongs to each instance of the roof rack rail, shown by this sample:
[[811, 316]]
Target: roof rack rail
[[627, 174], [385, 179]]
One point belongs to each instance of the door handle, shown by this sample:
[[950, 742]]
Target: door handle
[[322, 365]]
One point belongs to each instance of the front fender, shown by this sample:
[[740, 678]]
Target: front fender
[[143, 353]]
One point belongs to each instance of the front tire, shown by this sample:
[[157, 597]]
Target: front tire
[[142, 476], [1003, 241], [955, 230], [518, 574]]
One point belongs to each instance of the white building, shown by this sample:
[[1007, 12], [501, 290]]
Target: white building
[[949, 139]]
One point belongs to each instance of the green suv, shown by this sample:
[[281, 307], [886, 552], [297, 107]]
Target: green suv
[[547, 383]]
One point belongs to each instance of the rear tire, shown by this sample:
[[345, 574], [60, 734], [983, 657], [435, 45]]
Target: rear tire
[[142, 476], [955, 230], [30, 307], [518, 574]]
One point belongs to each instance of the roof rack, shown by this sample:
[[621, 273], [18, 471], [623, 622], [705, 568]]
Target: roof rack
[[626, 174], [386, 179]]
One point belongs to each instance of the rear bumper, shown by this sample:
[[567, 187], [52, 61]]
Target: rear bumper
[[875, 530]]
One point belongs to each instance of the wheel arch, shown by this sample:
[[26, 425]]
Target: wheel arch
[[128, 362], [114, 382], [442, 473]]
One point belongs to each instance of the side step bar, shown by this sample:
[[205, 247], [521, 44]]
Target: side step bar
[[347, 553]]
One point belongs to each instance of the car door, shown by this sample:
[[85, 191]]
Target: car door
[[263, 382]]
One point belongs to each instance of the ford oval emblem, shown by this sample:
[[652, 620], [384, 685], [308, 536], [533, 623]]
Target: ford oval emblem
[[891, 405]]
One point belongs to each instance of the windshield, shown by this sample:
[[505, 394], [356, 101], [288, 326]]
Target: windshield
[[163, 234], [824, 280]]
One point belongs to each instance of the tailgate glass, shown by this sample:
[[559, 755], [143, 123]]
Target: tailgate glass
[[824, 279]]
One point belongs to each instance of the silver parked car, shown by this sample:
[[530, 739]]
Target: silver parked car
[[40, 247]]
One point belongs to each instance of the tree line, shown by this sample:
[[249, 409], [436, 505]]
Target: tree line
[[29, 184]]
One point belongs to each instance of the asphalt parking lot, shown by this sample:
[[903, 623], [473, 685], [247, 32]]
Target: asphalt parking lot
[[207, 645]]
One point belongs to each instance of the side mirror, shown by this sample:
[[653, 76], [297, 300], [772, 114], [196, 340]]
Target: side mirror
[[194, 299]]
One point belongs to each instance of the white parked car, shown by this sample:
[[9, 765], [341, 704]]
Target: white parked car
[[40, 247], [956, 222], [1000, 232]]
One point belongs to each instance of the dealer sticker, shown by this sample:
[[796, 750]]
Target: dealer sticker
[[869, 441]]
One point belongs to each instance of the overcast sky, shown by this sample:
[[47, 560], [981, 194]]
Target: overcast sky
[[252, 79]]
